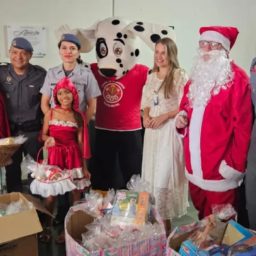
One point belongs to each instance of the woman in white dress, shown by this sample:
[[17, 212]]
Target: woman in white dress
[[163, 162]]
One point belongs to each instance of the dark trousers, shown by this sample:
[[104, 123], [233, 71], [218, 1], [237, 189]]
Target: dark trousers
[[118, 155], [63, 204], [250, 188], [242, 213], [250, 180], [13, 171]]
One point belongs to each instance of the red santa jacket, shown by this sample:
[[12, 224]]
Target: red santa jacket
[[118, 108], [217, 138]]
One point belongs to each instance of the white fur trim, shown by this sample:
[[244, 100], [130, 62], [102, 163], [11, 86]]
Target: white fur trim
[[195, 139], [228, 172], [212, 185], [216, 37]]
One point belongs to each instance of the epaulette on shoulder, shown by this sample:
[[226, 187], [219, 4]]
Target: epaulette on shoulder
[[86, 65], [4, 63]]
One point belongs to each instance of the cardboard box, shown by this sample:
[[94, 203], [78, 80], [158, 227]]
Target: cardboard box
[[245, 248], [188, 248], [174, 242], [18, 231], [74, 227], [234, 233], [75, 222]]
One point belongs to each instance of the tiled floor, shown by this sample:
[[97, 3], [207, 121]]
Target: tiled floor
[[186, 219], [52, 248]]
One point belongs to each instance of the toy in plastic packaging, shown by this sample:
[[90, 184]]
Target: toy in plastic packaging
[[210, 232], [224, 212], [130, 208]]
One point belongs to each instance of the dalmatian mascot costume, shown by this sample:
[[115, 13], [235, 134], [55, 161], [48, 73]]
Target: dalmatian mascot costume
[[118, 136]]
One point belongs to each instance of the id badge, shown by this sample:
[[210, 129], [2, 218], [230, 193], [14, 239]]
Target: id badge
[[155, 99]]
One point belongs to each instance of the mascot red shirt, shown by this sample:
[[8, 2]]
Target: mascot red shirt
[[120, 100]]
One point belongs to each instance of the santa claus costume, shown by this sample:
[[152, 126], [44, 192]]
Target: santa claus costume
[[219, 113]]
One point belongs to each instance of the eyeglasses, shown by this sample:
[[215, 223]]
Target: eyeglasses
[[211, 44]]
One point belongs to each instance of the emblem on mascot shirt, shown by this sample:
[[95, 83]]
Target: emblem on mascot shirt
[[112, 93]]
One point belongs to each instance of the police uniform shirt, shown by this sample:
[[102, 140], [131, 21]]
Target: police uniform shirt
[[83, 79], [22, 92]]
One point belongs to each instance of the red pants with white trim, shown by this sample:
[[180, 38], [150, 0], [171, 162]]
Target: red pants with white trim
[[203, 200]]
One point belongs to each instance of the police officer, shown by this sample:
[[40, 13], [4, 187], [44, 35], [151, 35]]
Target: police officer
[[82, 77], [21, 82]]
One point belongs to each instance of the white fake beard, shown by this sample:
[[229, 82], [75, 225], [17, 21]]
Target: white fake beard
[[211, 73]]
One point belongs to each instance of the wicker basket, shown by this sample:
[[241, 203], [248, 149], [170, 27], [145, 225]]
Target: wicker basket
[[6, 152]]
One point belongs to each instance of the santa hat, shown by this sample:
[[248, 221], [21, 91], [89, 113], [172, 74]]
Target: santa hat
[[224, 35]]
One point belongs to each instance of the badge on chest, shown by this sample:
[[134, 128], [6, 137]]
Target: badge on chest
[[155, 99]]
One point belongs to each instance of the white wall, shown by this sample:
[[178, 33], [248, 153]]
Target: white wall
[[51, 14], [187, 16]]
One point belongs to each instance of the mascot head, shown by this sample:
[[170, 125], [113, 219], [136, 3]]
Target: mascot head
[[115, 41]]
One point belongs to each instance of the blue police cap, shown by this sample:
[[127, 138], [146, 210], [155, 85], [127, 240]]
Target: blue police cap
[[22, 43], [70, 38]]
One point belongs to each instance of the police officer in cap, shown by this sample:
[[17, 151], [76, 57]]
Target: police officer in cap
[[73, 68], [21, 83]]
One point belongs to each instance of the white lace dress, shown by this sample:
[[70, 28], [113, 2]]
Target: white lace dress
[[163, 161]]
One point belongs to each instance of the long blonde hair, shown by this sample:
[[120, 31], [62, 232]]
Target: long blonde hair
[[172, 53]]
